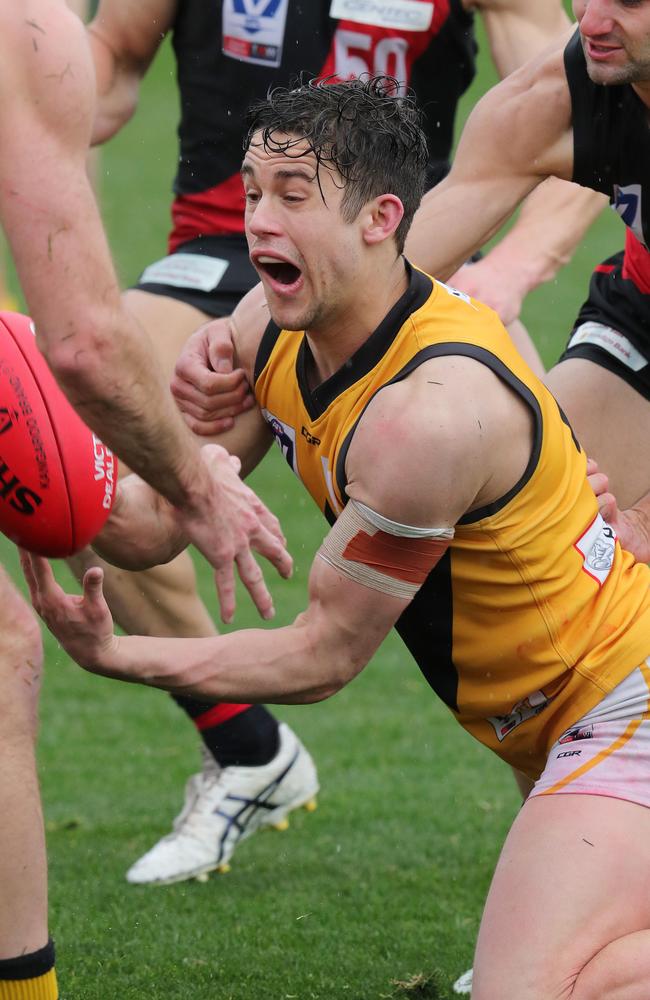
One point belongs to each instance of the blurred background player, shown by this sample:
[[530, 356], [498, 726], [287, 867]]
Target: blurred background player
[[227, 54]]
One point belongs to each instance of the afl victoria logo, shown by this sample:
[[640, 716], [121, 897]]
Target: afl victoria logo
[[8, 418]]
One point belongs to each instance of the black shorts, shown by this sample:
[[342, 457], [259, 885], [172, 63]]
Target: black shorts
[[613, 326], [211, 273]]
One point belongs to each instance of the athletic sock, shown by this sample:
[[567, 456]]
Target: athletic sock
[[243, 735], [29, 977]]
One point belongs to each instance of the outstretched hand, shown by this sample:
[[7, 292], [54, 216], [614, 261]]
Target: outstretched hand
[[631, 526], [82, 624], [208, 390], [228, 523]]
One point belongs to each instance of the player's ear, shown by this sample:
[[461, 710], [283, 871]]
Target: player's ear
[[382, 216]]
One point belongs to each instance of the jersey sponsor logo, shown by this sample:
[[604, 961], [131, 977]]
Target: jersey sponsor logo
[[285, 437], [627, 203], [309, 438], [597, 547], [186, 270], [253, 30], [577, 733], [402, 15], [568, 753], [525, 709], [611, 341]]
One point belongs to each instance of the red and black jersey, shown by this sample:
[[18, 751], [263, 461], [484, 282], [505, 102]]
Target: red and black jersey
[[611, 153], [229, 52]]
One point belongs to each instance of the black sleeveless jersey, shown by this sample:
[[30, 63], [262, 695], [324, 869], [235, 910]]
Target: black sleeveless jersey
[[228, 53], [611, 143]]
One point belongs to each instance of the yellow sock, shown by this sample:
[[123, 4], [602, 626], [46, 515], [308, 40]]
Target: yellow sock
[[40, 988]]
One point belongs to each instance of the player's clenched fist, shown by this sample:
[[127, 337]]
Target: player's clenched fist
[[209, 390]]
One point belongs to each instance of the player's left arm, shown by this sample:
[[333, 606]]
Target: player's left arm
[[554, 217], [391, 534]]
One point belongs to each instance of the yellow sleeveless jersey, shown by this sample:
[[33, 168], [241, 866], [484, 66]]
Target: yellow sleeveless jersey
[[535, 612]]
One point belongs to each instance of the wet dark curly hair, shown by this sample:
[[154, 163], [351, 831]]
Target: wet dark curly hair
[[366, 129]]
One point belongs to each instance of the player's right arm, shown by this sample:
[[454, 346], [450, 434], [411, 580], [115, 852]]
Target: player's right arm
[[518, 135], [124, 37], [410, 479]]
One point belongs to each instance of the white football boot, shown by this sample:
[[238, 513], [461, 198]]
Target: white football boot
[[463, 985], [223, 806]]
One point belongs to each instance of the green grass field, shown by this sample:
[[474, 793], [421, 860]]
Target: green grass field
[[376, 895]]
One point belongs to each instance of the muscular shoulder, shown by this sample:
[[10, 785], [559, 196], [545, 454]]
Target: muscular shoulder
[[416, 454], [448, 439], [249, 321]]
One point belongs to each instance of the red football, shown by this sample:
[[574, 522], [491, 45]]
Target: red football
[[57, 479]]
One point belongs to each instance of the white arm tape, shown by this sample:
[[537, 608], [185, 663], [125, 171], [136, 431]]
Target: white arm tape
[[384, 555]]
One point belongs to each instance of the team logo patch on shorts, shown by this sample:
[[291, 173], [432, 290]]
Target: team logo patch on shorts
[[528, 708], [577, 733], [609, 340], [186, 270]]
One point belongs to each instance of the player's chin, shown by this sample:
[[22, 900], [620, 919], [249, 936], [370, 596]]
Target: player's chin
[[288, 315]]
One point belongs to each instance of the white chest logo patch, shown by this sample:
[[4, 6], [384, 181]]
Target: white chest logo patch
[[253, 30], [597, 547]]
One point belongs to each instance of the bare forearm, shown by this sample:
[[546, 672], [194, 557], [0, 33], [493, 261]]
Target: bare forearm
[[551, 225], [99, 354], [456, 218], [253, 665]]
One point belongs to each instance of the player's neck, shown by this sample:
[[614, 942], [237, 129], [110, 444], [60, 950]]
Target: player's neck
[[340, 336]]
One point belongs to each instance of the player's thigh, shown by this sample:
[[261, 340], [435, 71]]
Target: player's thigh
[[611, 420], [573, 876], [168, 321]]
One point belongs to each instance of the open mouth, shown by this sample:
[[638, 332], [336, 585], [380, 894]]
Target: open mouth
[[280, 271], [600, 50]]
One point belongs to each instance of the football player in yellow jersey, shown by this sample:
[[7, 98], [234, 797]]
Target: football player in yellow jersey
[[461, 514]]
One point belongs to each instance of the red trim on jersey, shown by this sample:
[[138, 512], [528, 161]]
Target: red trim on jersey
[[605, 268], [364, 47], [214, 212], [218, 714], [408, 559], [636, 262]]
